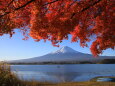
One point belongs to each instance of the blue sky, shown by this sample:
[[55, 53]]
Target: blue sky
[[16, 48]]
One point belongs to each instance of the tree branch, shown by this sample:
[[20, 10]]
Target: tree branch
[[10, 3], [25, 6], [84, 9], [17, 8], [51, 2]]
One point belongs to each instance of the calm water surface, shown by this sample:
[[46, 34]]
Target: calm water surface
[[63, 73]]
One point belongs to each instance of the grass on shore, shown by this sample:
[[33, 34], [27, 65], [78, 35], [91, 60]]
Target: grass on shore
[[7, 78]]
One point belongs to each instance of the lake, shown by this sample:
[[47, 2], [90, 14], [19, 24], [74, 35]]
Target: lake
[[63, 73]]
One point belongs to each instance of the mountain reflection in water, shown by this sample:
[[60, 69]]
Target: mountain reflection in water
[[64, 77], [63, 73]]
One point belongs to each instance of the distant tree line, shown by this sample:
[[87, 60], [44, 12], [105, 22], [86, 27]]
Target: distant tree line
[[107, 61], [42, 63]]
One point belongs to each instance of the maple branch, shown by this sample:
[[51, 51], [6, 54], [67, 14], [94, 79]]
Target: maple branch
[[51, 2], [84, 9], [25, 6], [17, 8], [10, 3], [72, 3]]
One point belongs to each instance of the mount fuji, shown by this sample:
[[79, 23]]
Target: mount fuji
[[65, 54]]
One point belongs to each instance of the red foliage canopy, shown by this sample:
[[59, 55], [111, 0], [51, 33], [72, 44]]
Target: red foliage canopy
[[53, 20]]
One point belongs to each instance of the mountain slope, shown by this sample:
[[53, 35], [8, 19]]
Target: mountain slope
[[65, 54]]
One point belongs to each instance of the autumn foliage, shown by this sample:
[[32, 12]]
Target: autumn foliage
[[54, 20]]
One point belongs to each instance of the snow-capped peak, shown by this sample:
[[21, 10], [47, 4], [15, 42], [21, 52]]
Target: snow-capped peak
[[65, 49]]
